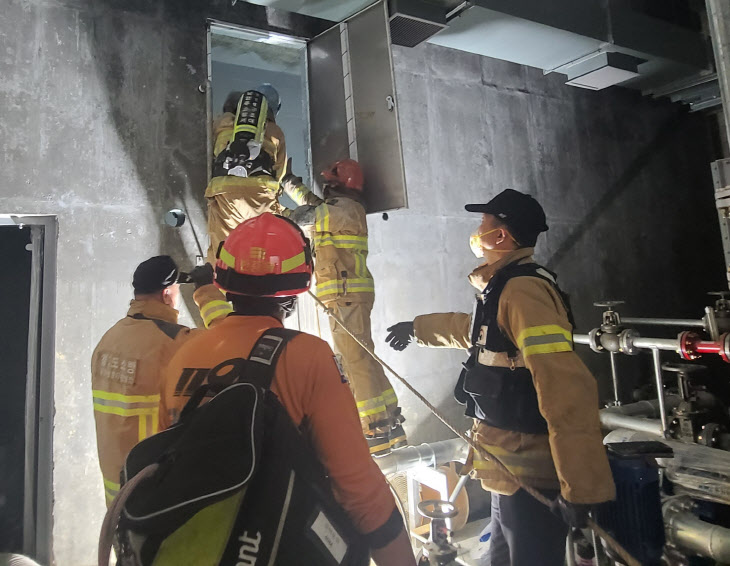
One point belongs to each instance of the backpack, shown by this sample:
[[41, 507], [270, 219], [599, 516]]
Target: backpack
[[233, 483], [244, 156]]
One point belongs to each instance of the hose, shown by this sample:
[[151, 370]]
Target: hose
[[484, 453]]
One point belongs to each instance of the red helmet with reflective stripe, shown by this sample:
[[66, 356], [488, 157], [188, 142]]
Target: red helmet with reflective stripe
[[345, 173], [265, 256]]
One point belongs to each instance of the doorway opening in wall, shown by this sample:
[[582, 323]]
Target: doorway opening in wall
[[27, 351], [241, 59]]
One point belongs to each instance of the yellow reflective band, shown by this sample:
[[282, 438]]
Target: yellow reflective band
[[227, 258], [122, 412], [342, 242], [374, 411], [142, 434], [371, 401], [245, 128], [322, 218], [110, 485], [98, 393], [293, 262], [539, 331], [552, 348], [353, 286], [390, 397], [214, 310]]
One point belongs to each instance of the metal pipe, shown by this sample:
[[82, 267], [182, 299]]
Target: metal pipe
[[646, 409], [581, 339], [648, 321], [432, 454], [659, 378], [457, 489], [668, 344], [612, 420], [614, 378], [690, 533], [718, 16]]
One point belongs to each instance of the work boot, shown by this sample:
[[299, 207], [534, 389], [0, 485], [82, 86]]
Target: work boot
[[379, 441], [397, 437]]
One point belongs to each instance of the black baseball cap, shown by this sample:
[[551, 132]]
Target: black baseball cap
[[155, 274], [522, 214]]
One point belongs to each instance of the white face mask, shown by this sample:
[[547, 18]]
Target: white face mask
[[475, 242]]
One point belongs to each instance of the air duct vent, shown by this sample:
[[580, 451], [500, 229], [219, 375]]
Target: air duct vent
[[603, 70], [413, 22]]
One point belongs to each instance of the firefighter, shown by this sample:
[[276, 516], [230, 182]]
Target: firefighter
[[262, 266], [233, 198], [346, 286], [126, 366], [534, 403]]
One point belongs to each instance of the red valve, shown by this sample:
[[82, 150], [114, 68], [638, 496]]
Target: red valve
[[692, 347]]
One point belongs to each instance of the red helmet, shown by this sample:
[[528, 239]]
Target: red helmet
[[345, 173], [265, 256]]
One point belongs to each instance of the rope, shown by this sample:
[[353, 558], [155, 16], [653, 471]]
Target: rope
[[483, 452]]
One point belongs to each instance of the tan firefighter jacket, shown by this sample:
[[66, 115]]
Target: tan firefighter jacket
[[571, 457], [274, 144], [127, 371], [340, 245]]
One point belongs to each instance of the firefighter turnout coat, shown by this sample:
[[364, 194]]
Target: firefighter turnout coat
[[344, 283], [568, 454], [126, 375], [233, 199]]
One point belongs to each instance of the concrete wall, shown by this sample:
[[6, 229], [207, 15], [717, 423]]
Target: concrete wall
[[102, 123]]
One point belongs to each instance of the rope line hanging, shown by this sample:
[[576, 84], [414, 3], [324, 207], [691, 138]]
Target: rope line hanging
[[483, 452]]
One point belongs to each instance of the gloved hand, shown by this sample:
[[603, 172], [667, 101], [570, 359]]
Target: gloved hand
[[574, 514], [202, 275], [303, 215], [401, 334], [289, 177]]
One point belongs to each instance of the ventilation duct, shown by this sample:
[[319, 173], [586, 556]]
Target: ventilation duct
[[603, 70], [413, 22]]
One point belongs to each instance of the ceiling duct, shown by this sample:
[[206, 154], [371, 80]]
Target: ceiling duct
[[603, 70], [413, 21]]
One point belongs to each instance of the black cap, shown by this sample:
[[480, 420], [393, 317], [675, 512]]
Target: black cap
[[155, 274], [522, 214]]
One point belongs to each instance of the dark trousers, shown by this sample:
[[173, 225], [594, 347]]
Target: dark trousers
[[525, 532]]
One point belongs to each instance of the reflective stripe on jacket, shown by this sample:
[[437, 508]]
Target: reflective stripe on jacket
[[341, 249], [126, 374], [532, 315]]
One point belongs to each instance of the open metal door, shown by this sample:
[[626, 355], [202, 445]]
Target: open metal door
[[353, 109]]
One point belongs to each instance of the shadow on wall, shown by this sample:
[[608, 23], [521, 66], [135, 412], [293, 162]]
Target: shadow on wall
[[152, 78]]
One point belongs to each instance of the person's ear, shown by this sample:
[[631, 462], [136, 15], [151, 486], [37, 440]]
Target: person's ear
[[167, 297], [502, 235]]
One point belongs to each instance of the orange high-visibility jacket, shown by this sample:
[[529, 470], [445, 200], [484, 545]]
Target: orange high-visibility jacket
[[311, 388], [126, 374], [571, 457]]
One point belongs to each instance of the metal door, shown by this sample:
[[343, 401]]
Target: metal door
[[353, 107]]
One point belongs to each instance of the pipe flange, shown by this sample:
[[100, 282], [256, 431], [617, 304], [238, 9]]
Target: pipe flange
[[687, 344], [594, 340], [709, 434], [626, 342], [725, 347]]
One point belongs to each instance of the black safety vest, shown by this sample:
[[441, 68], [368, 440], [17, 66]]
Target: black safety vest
[[501, 397]]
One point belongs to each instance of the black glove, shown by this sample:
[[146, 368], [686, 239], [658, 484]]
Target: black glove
[[401, 334], [202, 275], [574, 514]]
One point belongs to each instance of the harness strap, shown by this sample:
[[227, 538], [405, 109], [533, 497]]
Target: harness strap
[[169, 328]]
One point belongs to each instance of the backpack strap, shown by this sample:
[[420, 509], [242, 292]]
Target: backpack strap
[[260, 367], [169, 328], [265, 354]]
